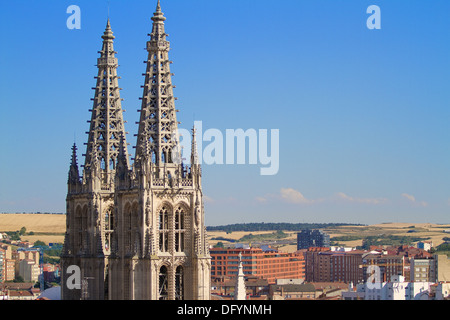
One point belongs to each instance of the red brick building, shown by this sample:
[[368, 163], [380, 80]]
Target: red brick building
[[263, 264]]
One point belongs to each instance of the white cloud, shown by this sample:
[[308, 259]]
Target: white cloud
[[288, 195], [261, 199], [409, 197], [208, 199], [293, 196], [413, 200], [375, 201]]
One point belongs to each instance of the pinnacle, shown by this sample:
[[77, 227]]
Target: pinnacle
[[108, 34], [158, 15], [158, 6]]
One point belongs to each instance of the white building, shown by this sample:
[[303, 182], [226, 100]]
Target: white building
[[425, 245], [394, 290]]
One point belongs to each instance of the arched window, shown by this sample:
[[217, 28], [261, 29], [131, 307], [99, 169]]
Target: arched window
[[179, 229], [109, 227], [163, 284], [79, 228], [127, 227], [164, 229], [179, 283]]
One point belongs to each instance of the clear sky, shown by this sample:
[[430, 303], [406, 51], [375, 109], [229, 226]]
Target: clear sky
[[363, 115]]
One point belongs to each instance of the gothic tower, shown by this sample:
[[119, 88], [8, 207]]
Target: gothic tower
[[160, 249], [137, 232], [90, 198]]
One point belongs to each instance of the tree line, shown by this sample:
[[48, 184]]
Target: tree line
[[277, 226]]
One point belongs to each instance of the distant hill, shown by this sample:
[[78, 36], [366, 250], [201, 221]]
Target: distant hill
[[275, 226]]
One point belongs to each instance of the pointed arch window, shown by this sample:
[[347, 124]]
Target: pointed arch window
[[109, 227], [179, 229], [179, 283], [163, 284], [164, 229]]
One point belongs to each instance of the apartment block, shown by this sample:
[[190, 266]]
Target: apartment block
[[269, 264], [442, 268], [312, 238], [324, 265], [383, 267], [29, 270]]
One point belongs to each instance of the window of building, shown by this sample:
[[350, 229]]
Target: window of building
[[164, 229], [163, 284]]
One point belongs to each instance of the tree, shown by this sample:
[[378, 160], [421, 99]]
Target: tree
[[22, 231], [219, 245], [39, 243]]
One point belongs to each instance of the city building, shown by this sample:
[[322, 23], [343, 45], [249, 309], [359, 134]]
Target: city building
[[423, 270], [269, 265], [136, 231], [10, 269], [425, 245], [29, 254], [312, 238], [324, 265], [2, 265], [396, 289], [306, 290], [29, 270], [442, 268]]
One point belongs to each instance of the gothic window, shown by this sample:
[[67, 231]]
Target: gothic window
[[179, 229], [109, 226], [164, 229], [163, 284], [179, 283], [79, 227], [127, 228]]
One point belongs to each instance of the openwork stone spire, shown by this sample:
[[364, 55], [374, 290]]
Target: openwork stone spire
[[158, 126], [239, 289], [107, 124]]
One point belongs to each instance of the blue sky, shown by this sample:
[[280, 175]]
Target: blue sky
[[363, 114]]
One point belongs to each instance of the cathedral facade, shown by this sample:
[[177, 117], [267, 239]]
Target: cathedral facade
[[136, 231]]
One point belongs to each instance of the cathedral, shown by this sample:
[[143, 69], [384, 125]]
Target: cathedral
[[136, 231]]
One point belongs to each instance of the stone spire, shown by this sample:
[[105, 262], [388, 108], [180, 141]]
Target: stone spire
[[239, 290], [74, 181], [106, 124], [74, 175], [194, 151], [158, 126]]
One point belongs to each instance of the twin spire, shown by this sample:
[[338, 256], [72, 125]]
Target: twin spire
[[157, 138]]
